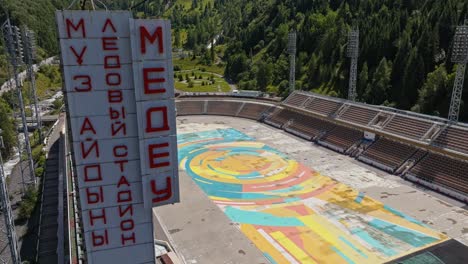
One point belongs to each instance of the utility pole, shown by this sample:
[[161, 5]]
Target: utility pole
[[29, 41], [353, 53], [7, 213], [459, 56], [14, 48], [292, 61]]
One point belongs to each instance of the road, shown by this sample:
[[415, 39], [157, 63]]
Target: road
[[10, 84]]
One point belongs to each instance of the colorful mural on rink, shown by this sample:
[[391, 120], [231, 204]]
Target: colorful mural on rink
[[292, 213]]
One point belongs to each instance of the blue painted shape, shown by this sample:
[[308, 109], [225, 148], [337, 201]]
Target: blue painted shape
[[260, 218], [412, 237], [359, 197], [270, 258], [292, 199], [364, 235], [347, 242], [342, 255], [405, 216]]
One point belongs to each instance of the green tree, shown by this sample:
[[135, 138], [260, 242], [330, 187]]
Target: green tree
[[8, 129], [377, 91], [264, 75]]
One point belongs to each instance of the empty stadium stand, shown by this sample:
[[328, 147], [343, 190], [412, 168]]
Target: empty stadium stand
[[190, 107], [387, 154], [455, 138], [281, 116], [408, 127], [358, 115], [442, 170], [322, 106], [253, 110], [341, 138], [296, 99], [309, 127], [228, 108]]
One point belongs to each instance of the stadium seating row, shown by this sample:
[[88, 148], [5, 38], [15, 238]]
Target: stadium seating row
[[403, 124], [250, 110]]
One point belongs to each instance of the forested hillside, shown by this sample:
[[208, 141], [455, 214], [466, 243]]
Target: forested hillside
[[405, 48], [404, 53]]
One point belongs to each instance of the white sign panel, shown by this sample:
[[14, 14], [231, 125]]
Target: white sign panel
[[100, 93], [154, 94]]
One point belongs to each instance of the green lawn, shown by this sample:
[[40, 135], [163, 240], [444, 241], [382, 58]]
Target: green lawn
[[220, 85], [189, 64]]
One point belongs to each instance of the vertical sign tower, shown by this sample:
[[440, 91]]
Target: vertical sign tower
[[154, 94], [122, 118]]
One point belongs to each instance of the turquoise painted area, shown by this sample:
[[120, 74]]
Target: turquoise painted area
[[347, 242], [405, 216], [260, 218], [359, 198], [292, 199], [364, 235], [270, 258], [348, 260], [412, 237]]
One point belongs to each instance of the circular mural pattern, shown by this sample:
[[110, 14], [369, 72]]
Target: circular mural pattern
[[247, 171]]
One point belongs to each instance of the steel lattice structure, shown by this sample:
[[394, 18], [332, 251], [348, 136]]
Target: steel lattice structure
[[29, 46], [7, 213], [292, 61], [353, 53], [459, 56], [14, 46]]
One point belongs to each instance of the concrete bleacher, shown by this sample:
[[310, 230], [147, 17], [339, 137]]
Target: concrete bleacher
[[190, 107], [408, 127], [229, 108], [322, 106], [253, 110], [387, 154], [442, 170], [309, 127], [296, 99], [454, 138], [358, 115], [280, 116], [341, 138]]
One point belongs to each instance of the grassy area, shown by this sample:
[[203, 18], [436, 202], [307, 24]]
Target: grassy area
[[203, 84], [189, 64], [48, 82], [187, 4]]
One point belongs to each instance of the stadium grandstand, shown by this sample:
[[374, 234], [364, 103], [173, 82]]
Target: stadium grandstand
[[427, 150]]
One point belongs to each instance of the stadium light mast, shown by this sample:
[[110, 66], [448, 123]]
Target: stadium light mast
[[353, 53], [292, 61], [459, 56], [5, 209], [29, 42], [15, 51]]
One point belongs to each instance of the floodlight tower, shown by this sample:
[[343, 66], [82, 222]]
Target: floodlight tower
[[15, 51], [353, 53], [292, 61], [29, 42], [459, 56], [5, 209]]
